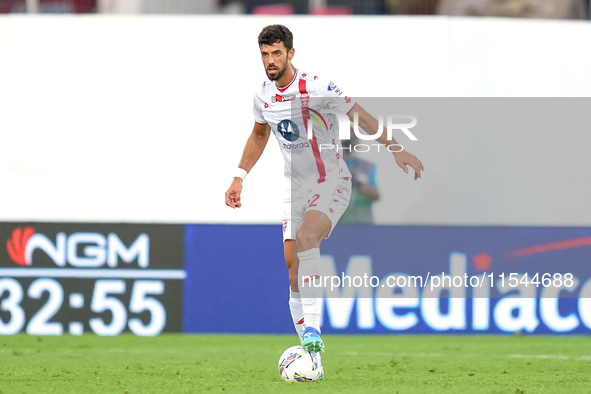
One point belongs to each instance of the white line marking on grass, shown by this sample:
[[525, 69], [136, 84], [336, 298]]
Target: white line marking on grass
[[394, 354], [434, 355], [550, 357]]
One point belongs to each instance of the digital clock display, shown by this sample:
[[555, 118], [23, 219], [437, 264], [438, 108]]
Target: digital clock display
[[91, 278]]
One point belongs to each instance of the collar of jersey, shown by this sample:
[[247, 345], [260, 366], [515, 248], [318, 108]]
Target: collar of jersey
[[285, 88]]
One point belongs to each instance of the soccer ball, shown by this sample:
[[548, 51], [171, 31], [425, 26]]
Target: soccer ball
[[298, 365]]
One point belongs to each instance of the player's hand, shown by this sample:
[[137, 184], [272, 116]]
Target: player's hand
[[233, 194], [404, 158]]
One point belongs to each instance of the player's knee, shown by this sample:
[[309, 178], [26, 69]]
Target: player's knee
[[306, 239]]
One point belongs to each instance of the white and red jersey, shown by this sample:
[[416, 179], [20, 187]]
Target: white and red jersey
[[290, 111]]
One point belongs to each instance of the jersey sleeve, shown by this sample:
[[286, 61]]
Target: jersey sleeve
[[335, 98], [257, 109]]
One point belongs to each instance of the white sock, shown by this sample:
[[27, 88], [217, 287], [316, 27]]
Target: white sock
[[310, 264], [297, 312]]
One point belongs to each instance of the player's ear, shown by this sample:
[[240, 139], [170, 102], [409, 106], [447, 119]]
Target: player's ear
[[290, 53]]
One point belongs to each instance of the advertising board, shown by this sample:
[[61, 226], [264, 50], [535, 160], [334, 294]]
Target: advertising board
[[58, 278], [107, 279], [456, 280]]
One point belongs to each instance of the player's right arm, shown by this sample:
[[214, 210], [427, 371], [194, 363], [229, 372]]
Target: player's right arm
[[255, 145], [403, 158]]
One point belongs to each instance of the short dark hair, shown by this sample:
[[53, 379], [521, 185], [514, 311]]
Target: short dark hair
[[273, 34]]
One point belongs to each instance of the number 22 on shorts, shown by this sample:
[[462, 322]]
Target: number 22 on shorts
[[314, 198]]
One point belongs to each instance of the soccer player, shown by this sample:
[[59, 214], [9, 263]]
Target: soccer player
[[317, 180]]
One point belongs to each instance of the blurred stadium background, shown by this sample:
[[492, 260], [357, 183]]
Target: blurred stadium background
[[568, 9], [120, 132]]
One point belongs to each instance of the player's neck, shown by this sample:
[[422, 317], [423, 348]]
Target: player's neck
[[287, 78]]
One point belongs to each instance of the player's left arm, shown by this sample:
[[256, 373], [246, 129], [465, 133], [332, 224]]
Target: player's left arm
[[371, 125]]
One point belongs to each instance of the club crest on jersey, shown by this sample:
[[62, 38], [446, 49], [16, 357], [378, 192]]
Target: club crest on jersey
[[288, 130], [282, 98], [305, 99]]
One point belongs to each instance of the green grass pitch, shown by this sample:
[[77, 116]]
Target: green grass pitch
[[248, 363]]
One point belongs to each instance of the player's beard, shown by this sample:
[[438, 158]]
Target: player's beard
[[278, 75]]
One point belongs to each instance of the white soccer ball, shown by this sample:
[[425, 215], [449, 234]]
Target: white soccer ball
[[298, 365]]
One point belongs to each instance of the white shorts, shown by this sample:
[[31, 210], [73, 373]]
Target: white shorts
[[331, 198]]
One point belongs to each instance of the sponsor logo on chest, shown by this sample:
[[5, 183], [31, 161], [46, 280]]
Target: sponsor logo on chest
[[282, 98]]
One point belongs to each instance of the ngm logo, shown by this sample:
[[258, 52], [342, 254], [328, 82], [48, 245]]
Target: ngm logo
[[80, 249]]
